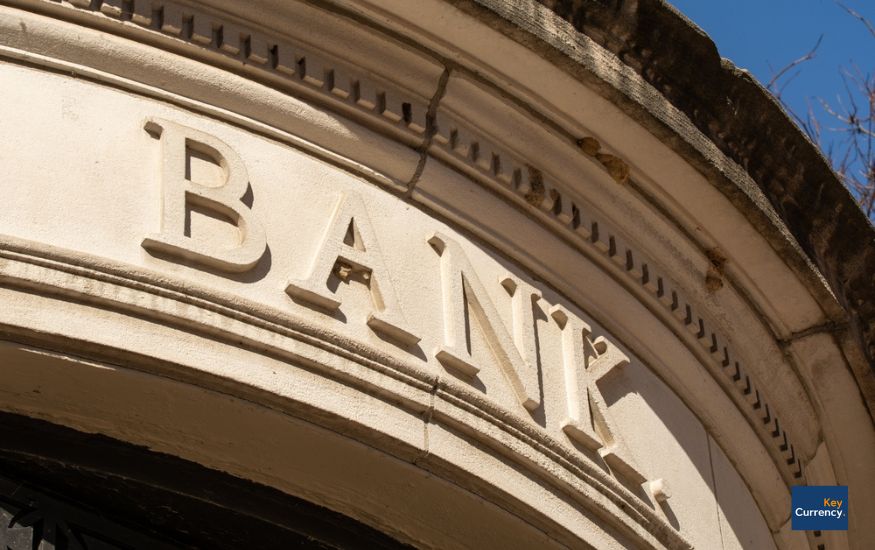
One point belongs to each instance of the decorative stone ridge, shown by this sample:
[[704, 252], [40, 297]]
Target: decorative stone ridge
[[531, 188], [347, 251], [307, 69], [738, 115]]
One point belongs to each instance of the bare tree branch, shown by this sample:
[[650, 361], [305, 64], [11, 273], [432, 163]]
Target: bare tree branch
[[807, 57], [852, 155], [853, 13]]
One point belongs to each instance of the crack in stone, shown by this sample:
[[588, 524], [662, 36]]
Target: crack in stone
[[430, 131], [426, 420]]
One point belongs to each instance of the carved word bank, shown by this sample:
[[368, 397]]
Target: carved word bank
[[350, 247]]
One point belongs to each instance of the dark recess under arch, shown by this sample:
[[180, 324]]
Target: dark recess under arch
[[63, 489]]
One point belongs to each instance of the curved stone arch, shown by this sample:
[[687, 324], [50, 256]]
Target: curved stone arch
[[64, 488], [206, 413], [378, 128]]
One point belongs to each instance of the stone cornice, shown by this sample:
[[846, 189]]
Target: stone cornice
[[423, 125], [535, 191], [401, 114], [806, 200]]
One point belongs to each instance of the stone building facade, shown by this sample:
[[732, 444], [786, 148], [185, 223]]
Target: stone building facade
[[444, 273]]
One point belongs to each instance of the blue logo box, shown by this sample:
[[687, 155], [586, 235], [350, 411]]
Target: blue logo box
[[820, 508]]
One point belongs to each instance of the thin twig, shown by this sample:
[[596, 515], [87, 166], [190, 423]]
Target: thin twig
[[858, 16], [807, 57], [852, 152]]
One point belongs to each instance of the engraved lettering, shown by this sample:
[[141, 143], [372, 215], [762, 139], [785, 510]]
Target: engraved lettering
[[587, 420], [461, 288], [350, 244], [524, 297], [349, 249], [179, 193]]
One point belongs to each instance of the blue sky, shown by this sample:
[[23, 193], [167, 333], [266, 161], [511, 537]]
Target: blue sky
[[764, 35]]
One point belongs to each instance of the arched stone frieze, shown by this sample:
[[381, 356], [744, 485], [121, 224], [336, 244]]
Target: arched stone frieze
[[441, 269]]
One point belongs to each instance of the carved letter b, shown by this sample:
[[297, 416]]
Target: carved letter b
[[179, 194]]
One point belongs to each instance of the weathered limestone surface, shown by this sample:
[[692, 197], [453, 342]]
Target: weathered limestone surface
[[445, 268]]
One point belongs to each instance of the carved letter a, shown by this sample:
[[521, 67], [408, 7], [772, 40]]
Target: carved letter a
[[350, 242]]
